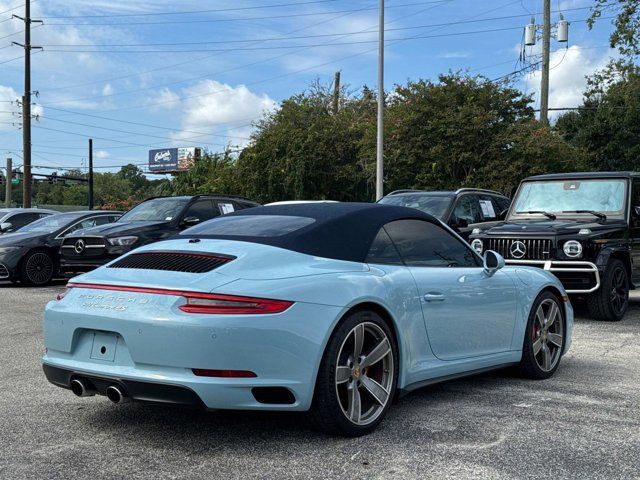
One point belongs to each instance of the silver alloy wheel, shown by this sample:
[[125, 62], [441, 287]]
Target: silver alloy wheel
[[364, 373], [547, 335], [39, 268]]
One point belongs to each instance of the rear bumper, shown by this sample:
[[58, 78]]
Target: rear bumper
[[154, 342], [577, 277], [152, 392]]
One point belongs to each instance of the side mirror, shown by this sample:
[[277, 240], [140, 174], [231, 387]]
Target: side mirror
[[492, 262], [6, 226], [503, 214], [190, 221], [636, 212]]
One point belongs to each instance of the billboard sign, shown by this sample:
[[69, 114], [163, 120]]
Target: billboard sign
[[165, 160]]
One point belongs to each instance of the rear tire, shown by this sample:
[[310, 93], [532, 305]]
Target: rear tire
[[544, 337], [611, 300], [357, 377], [37, 268]]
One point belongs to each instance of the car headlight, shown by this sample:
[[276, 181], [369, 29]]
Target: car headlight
[[477, 246], [122, 241], [572, 249], [8, 249]]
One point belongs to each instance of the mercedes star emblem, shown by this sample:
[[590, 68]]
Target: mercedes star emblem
[[517, 249], [79, 246]]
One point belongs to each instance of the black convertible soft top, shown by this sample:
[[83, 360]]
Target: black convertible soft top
[[342, 231]]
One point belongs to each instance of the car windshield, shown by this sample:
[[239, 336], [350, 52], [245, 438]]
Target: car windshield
[[156, 210], [250, 226], [51, 223], [436, 205], [605, 196]]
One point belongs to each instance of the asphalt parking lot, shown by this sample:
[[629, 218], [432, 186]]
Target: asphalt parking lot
[[583, 423]]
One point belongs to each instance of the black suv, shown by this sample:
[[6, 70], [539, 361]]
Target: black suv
[[583, 227], [464, 210], [152, 220]]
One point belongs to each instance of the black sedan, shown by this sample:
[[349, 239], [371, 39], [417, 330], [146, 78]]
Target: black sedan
[[30, 255]]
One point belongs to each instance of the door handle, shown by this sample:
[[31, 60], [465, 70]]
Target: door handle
[[434, 297]]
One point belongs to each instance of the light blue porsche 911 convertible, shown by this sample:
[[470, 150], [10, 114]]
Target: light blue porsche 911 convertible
[[332, 308]]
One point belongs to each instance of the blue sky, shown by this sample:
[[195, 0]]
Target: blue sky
[[139, 74]]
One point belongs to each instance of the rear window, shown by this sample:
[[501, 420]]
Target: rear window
[[250, 226]]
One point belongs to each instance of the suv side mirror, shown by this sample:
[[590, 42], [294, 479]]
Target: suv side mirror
[[503, 214], [4, 227], [190, 221], [492, 262]]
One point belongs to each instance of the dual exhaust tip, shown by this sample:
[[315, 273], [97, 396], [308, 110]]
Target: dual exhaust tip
[[81, 388]]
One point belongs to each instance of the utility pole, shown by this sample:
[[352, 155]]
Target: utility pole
[[336, 93], [8, 193], [380, 139], [26, 104], [90, 174], [546, 50]]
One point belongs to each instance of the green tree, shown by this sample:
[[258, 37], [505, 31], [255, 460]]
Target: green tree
[[608, 125], [440, 133]]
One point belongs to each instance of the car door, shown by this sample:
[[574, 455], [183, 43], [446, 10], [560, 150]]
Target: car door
[[466, 209], [466, 313]]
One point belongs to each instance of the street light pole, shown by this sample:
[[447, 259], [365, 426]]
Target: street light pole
[[380, 139]]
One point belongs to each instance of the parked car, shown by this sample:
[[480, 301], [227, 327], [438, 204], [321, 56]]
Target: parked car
[[154, 219], [333, 308], [583, 227], [30, 255], [12, 219], [463, 210]]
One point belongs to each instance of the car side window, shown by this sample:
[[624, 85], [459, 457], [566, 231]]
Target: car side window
[[467, 209], [501, 204], [202, 210], [383, 251], [19, 220], [425, 244]]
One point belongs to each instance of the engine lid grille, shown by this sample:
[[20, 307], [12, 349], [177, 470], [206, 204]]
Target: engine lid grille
[[521, 248], [188, 262]]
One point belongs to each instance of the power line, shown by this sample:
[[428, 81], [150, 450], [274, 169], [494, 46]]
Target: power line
[[300, 37], [271, 58], [140, 124], [239, 19], [192, 12], [198, 60]]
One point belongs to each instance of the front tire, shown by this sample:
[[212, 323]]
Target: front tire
[[357, 377], [37, 269], [544, 338], [611, 301]]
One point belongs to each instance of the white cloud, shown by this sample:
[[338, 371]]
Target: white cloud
[[567, 78], [102, 154], [217, 109], [107, 90]]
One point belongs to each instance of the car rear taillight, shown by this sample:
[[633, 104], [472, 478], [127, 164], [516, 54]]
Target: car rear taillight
[[213, 303], [205, 303]]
